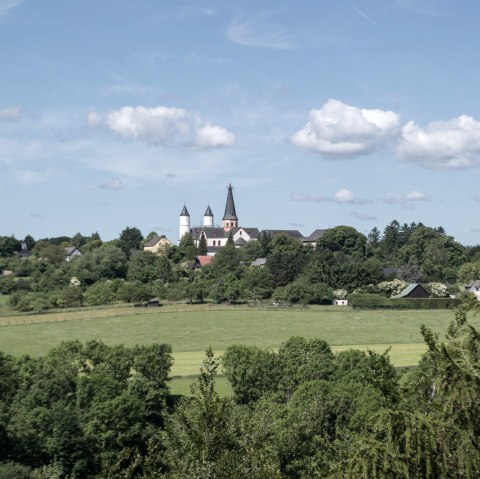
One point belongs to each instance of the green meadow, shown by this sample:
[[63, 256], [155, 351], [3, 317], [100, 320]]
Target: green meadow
[[190, 332]]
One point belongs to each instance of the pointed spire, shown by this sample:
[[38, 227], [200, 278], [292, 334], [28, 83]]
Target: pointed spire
[[230, 213], [208, 212], [184, 211]]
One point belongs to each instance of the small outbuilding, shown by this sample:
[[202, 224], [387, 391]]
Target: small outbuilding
[[413, 290]]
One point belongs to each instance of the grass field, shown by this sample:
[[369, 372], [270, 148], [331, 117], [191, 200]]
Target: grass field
[[191, 332]]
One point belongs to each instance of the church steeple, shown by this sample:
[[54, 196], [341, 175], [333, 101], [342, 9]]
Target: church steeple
[[208, 217], [184, 224], [230, 219]]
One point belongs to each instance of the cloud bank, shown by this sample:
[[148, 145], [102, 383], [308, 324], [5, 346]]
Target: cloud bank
[[338, 130], [452, 144], [163, 126]]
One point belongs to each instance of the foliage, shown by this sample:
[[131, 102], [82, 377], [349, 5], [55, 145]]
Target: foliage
[[343, 238], [130, 240], [437, 290], [392, 288], [357, 302]]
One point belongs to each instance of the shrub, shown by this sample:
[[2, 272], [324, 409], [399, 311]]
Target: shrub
[[403, 303], [103, 292]]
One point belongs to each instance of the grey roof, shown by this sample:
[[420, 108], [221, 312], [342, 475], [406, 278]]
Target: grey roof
[[252, 232], [213, 249], [230, 213], [184, 211], [240, 242], [209, 231], [70, 249], [259, 262], [208, 212], [154, 241], [408, 290], [315, 235], [290, 233], [473, 284]]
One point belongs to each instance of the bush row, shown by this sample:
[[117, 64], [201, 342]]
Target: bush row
[[358, 302]]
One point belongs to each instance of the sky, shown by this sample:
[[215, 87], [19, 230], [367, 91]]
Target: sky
[[116, 113]]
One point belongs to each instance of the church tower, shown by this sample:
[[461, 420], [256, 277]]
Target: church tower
[[208, 218], [184, 225], [230, 219]]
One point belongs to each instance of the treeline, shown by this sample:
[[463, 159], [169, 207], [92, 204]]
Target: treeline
[[343, 261], [94, 411]]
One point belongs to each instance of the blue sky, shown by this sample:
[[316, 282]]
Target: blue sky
[[116, 113]]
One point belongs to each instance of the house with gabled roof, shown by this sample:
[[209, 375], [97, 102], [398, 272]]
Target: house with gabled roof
[[157, 244], [312, 239], [474, 287], [71, 252], [413, 290]]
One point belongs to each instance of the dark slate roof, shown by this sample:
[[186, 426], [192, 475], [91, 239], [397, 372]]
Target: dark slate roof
[[209, 231], [314, 236], [184, 211], [290, 233], [213, 249], [252, 232], [240, 242], [230, 213], [154, 241], [208, 212], [408, 290]]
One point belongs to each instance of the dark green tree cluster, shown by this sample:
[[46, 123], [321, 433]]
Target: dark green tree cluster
[[81, 407], [118, 270]]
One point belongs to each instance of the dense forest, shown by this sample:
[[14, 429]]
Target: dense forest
[[343, 261], [97, 411]]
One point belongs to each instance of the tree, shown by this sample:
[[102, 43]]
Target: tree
[[288, 258], [343, 238], [29, 242], [201, 433], [202, 246], [130, 239], [252, 372], [9, 246], [146, 267], [187, 247], [106, 262]]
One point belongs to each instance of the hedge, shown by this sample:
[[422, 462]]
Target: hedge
[[404, 303]]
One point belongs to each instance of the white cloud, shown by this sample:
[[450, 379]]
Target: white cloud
[[7, 5], [260, 31], [363, 216], [341, 196], [212, 136], [451, 144], [338, 130], [10, 113], [163, 126], [113, 185], [405, 200], [150, 125]]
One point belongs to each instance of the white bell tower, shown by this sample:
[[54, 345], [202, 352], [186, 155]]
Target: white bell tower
[[208, 218], [184, 225]]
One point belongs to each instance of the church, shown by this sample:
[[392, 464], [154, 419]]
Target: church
[[217, 236]]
